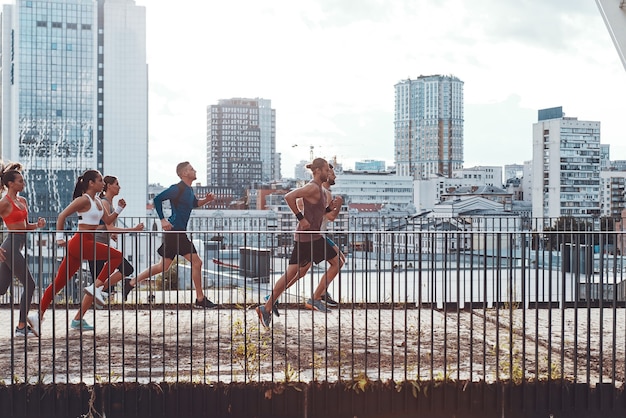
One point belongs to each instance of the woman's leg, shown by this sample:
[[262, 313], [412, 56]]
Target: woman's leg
[[17, 264], [6, 276], [70, 265], [112, 257]]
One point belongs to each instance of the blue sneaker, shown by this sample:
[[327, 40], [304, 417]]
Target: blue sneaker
[[264, 316], [275, 310], [81, 325]]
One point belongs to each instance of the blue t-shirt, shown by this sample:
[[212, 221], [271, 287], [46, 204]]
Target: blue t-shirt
[[181, 206]]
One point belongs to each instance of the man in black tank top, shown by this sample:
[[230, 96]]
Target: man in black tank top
[[310, 245]]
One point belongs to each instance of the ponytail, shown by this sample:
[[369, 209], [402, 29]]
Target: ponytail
[[83, 182], [78, 188]]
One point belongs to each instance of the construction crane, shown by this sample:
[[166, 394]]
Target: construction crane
[[614, 14], [311, 148]]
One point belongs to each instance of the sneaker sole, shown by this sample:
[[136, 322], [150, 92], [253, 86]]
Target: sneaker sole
[[314, 308], [82, 329]]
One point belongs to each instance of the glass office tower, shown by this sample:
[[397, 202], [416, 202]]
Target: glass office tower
[[57, 81]]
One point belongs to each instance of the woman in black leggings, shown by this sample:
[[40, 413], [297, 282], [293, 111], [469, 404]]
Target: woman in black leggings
[[14, 212]]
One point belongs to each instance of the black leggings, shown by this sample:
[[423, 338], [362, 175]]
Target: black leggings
[[95, 267], [15, 265]]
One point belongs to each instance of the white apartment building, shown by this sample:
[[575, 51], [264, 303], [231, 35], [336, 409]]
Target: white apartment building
[[527, 181], [428, 192], [612, 198], [513, 171], [428, 126], [566, 166], [486, 175], [383, 187]]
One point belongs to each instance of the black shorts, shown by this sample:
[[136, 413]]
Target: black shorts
[[176, 244], [318, 250]]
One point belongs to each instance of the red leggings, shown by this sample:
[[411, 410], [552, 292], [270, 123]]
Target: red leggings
[[80, 247]]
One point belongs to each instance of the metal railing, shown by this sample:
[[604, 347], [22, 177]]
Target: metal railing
[[414, 305]]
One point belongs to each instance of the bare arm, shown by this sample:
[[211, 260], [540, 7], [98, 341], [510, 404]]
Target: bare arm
[[113, 228], [41, 222], [335, 208], [79, 204], [208, 198], [5, 207], [110, 216]]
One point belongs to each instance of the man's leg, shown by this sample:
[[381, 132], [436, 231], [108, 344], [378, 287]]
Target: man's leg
[[300, 275], [293, 273], [196, 274], [335, 264], [156, 268]]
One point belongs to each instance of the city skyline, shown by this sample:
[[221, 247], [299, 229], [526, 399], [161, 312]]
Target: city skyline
[[329, 69]]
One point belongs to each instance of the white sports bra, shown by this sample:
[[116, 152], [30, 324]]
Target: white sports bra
[[93, 215]]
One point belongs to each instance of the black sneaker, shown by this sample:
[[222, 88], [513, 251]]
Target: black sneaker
[[127, 288], [205, 303], [329, 301]]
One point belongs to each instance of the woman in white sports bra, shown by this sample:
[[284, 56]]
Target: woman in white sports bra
[[83, 246], [124, 269]]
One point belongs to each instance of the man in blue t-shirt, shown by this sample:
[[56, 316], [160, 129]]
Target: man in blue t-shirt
[[175, 241]]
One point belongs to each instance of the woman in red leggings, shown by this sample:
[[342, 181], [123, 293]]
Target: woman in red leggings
[[83, 246]]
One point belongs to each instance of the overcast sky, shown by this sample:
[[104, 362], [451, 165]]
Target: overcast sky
[[330, 66]]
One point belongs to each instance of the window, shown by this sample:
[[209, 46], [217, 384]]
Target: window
[[71, 26]]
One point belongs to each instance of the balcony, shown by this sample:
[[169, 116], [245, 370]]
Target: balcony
[[414, 306]]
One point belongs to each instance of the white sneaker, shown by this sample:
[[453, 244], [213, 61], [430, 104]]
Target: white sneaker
[[96, 292], [24, 332], [33, 321]]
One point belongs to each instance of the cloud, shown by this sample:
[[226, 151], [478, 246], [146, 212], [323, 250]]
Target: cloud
[[329, 68], [498, 133]]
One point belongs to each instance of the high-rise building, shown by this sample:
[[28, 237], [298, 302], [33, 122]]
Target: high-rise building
[[75, 97], [566, 166], [428, 126], [612, 193], [241, 143]]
